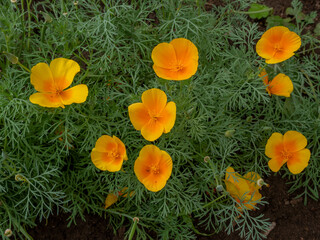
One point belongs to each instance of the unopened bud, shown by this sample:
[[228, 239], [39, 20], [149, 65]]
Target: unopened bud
[[206, 159], [13, 1], [19, 178], [8, 232], [219, 188], [4, 155], [12, 58], [47, 17], [135, 219], [65, 14], [249, 119], [75, 3], [266, 128], [229, 133]]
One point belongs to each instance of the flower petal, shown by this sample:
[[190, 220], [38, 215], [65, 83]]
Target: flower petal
[[276, 163], [110, 200], [165, 73], [41, 78], [138, 114], [46, 100], [279, 56], [294, 141], [274, 145], [154, 183], [154, 100], [299, 161], [290, 41], [121, 148], [168, 116], [281, 85], [101, 160], [265, 48], [164, 56], [105, 143], [186, 52], [264, 75], [63, 71], [76, 94], [152, 130]]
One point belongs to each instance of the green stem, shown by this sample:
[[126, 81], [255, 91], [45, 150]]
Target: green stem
[[29, 23], [312, 87], [253, 12], [133, 229], [24, 67]]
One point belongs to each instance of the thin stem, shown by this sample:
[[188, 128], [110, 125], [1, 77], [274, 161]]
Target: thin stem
[[133, 229], [24, 67], [253, 12]]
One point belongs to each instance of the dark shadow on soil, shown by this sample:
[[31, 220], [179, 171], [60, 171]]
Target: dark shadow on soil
[[292, 220]]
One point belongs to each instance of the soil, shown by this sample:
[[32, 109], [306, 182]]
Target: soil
[[291, 219]]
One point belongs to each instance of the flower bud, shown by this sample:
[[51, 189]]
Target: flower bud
[[266, 128], [13, 1], [229, 133], [206, 159], [135, 219], [47, 17], [249, 119], [219, 188], [12, 58], [8, 232], [75, 3]]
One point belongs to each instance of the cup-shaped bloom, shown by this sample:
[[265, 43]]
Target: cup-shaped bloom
[[153, 167], [154, 115], [280, 85], [288, 148], [109, 153], [51, 82], [177, 60], [278, 44], [244, 189]]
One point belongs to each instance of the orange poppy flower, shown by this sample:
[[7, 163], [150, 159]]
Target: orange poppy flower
[[280, 85], [278, 44], [109, 153], [113, 198], [51, 82], [288, 148], [177, 60], [154, 115], [153, 167], [244, 189]]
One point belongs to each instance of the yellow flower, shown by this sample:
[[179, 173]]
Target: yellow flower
[[244, 189], [109, 153], [177, 60], [153, 167], [278, 44], [280, 85], [51, 82], [154, 115], [288, 148]]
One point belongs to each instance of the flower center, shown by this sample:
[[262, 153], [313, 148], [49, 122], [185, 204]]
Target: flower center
[[286, 155], [178, 67], [277, 48], [115, 154], [154, 169]]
